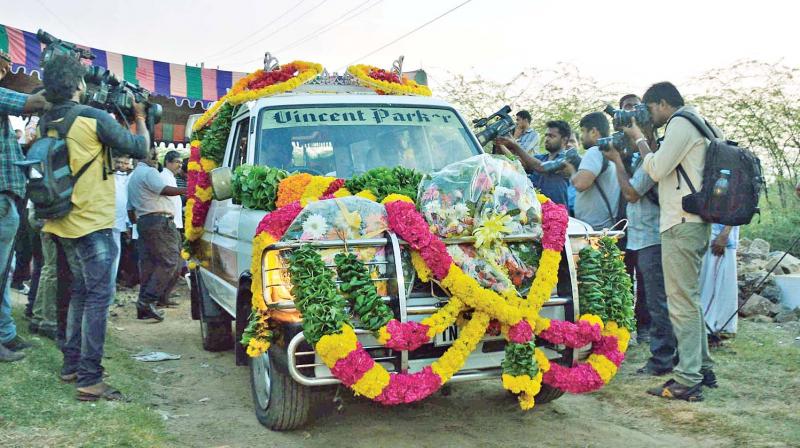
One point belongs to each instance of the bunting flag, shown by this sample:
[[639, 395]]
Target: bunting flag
[[183, 83]]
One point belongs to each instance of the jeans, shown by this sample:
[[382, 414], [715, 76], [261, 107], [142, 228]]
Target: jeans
[[90, 259], [38, 263], [23, 247], [683, 247], [662, 338], [116, 235], [9, 222], [159, 257]]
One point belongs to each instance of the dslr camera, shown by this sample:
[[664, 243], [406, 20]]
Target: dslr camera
[[571, 155], [103, 89], [618, 139], [495, 125]]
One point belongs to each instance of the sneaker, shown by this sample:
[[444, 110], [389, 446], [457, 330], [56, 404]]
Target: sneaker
[[17, 344], [674, 390], [709, 378], [7, 355]]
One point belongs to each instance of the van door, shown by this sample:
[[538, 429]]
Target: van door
[[225, 267]]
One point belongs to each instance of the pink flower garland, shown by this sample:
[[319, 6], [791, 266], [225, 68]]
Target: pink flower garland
[[572, 335], [277, 222], [575, 380], [410, 387], [405, 221], [521, 332], [555, 220], [406, 336], [351, 368]]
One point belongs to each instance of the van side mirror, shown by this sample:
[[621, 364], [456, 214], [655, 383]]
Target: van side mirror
[[221, 183]]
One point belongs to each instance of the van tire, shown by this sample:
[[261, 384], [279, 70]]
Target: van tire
[[194, 294], [547, 394], [281, 404]]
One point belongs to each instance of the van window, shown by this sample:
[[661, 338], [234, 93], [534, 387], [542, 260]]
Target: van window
[[240, 138], [346, 140]]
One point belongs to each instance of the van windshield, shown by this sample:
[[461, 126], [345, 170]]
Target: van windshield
[[346, 140]]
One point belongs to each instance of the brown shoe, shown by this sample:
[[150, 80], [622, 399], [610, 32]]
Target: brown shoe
[[677, 391], [99, 391]]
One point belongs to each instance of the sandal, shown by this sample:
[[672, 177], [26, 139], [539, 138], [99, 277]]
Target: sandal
[[108, 393], [677, 391]]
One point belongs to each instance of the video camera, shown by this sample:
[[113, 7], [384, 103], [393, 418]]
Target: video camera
[[103, 89], [496, 125]]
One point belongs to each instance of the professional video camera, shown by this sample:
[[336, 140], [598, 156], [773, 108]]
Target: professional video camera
[[571, 155], [496, 125], [103, 89], [622, 118]]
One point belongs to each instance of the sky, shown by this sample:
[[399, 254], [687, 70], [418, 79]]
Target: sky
[[632, 45]]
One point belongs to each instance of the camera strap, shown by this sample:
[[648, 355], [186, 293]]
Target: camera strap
[[705, 129]]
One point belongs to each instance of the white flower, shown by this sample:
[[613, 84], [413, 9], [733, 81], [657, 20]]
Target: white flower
[[433, 208], [315, 227], [461, 210]]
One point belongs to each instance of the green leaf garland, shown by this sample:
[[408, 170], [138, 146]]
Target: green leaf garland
[[256, 187], [384, 181], [357, 286], [216, 137]]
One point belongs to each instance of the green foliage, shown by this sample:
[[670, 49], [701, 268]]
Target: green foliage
[[605, 288], [256, 187], [777, 224], [358, 288], [385, 181], [590, 281], [216, 137], [519, 359], [315, 294]]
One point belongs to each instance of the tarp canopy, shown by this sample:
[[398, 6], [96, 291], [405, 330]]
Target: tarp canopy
[[181, 89]]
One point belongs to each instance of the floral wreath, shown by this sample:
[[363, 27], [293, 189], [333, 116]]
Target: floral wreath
[[263, 83], [385, 82], [525, 367]]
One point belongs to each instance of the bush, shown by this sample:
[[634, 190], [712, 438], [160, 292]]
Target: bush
[[778, 224]]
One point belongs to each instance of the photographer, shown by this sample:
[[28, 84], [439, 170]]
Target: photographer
[[597, 199], [85, 232], [524, 135], [551, 184], [12, 192], [684, 236], [643, 250]]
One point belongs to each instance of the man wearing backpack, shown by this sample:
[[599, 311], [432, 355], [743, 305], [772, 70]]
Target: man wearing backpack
[[85, 230], [12, 192], [684, 236]]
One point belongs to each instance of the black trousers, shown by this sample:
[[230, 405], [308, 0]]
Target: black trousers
[[159, 257]]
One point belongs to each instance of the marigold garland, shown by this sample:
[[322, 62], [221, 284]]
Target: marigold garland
[[372, 77], [519, 317], [241, 92]]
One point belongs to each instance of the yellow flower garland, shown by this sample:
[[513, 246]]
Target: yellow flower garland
[[239, 93], [407, 87]]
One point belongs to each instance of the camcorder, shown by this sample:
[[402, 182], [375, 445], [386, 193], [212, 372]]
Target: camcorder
[[103, 89], [495, 125]]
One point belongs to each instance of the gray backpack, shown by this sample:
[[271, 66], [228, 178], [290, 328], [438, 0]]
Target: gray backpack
[[50, 178]]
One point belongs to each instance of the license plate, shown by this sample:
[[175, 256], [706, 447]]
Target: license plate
[[447, 337]]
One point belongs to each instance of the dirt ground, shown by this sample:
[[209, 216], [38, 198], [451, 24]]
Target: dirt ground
[[205, 399]]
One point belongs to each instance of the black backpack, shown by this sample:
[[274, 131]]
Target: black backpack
[[50, 178], [739, 204]]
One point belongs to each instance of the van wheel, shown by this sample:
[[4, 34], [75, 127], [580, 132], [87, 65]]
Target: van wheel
[[215, 331], [281, 404], [547, 394]]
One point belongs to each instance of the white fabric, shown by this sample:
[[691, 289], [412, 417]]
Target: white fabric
[[169, 180], [719, 290], [121, 201]]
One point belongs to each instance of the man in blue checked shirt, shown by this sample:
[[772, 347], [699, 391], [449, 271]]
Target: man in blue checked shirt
[[12, 194]]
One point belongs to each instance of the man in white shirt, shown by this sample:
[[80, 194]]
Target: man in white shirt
[[122, 166], [172, 166]]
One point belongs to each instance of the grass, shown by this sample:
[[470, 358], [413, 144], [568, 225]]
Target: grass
[[756, 403], [37, 410]]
